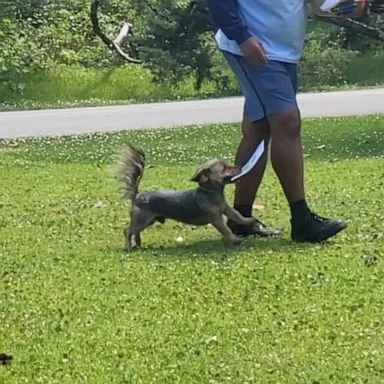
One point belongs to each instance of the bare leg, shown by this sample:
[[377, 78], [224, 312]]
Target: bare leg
[[247, 186], [287, 153]]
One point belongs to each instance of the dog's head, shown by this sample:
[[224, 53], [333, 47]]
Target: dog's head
[[215, 174]]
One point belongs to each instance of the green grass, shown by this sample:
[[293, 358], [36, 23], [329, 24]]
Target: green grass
[[75, 309], [76, 86], [322, 69]]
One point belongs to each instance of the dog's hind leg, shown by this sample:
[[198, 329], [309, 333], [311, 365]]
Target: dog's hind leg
[[128, 233], [140, 219], [128, 238], [138, 239], [147, 224]]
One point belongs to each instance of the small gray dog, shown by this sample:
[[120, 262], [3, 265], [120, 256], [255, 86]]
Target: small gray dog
[[200, 206]]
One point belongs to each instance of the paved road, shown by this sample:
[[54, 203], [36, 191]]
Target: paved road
[[162, 115]]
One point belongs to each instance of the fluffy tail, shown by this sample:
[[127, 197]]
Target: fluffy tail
[[129, 170]]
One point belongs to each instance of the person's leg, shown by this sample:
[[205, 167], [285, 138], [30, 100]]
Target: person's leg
[[247, 186], [287, 161], [287, 153], [270, 93], [255, 128]]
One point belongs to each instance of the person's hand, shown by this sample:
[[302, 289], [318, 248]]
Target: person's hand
[[253, 51], [353, 9]]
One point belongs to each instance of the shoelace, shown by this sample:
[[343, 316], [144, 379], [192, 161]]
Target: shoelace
[[257, 221], [318, 218]]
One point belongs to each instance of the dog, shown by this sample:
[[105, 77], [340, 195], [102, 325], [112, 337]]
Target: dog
[[200, 206]]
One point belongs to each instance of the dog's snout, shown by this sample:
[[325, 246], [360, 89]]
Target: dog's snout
[[235, 170]]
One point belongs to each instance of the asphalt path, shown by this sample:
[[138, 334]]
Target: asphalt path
[[76, 121]]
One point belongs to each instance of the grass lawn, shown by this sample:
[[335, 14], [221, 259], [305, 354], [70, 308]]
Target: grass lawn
[[76, 86], [75, 309]]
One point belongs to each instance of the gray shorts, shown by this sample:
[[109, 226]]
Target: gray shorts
[[268, 89]]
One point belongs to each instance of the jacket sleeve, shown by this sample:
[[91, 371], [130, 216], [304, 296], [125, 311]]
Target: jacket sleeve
[[225, 16]]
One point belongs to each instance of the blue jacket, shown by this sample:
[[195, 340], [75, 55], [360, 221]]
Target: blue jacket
[[278, 24], [225, 15]]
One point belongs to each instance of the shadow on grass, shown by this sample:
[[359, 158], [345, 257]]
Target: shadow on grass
[[217, 251]]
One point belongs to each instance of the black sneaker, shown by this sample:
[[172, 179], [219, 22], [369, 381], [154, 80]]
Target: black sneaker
[[257, 228], [315, 229]]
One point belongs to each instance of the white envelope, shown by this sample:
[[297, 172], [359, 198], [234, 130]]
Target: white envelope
[[251, 162], [330, 4]]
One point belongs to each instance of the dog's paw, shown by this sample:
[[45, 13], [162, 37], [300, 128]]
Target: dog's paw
[[5, 359], [128, 248], [234, 240]]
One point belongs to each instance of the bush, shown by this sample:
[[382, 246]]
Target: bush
[[40, 40], [324, 62]]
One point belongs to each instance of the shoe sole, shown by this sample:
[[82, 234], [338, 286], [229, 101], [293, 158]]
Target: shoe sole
[[330, 232]]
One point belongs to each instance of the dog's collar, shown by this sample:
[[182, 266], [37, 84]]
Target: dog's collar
[[210, 190]]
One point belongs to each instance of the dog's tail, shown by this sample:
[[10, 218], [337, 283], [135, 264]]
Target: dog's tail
[[129, 171]]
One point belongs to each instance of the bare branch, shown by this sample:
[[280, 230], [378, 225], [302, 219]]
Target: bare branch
[[113, 45], [124, 32], [354, 26]]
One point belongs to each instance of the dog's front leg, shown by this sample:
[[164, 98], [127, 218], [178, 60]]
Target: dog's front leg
[[219, 223], [237, 217]]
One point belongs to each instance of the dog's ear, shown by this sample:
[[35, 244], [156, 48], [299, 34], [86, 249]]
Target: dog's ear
[[201, 175]]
